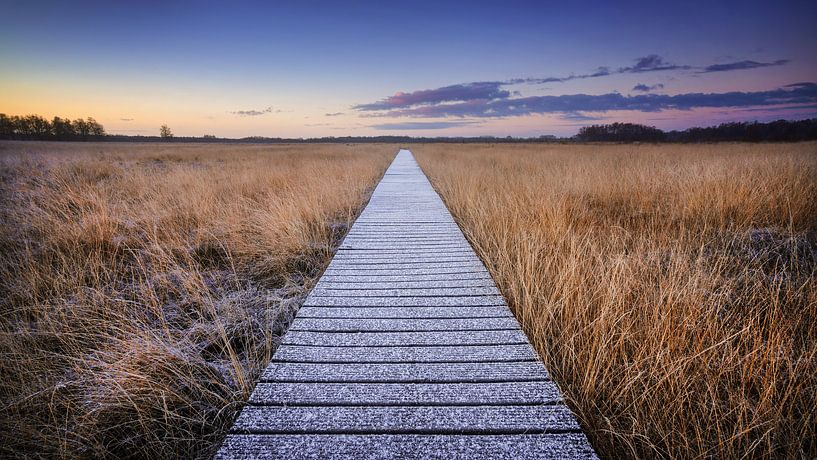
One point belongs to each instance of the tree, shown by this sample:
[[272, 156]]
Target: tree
[[621, 132], [81, 128], [6, 126], [165, 133], [94, 128], [61, 129]]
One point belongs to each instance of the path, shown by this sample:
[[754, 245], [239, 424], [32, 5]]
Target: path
[[405, 349]]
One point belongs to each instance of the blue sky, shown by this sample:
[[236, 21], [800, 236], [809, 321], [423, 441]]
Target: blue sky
[[421, 68]]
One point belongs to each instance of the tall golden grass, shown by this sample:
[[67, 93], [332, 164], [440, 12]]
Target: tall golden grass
[[143, 287], [671, 290]]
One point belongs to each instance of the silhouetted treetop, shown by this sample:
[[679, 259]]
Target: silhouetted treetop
[[35, 127]]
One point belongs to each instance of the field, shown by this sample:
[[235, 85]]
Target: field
[[143, 287], [671, 290]]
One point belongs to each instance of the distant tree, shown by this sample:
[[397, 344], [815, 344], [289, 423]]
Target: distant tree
[[165, 133], [62, 129], [621, 132], [94, 128], [36, 127], [6, 126], [209, 136], [81, 128]]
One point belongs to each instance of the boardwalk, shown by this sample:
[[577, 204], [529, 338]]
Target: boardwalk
[[405, 349]]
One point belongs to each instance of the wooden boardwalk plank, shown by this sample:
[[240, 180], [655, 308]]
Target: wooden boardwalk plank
[[406, 419], [398, 279], [405, 348], [408, 354], [419, 373], [402, 291], [385, 339], [431, 447], [394, 325], [405, 312], [353, 284], [406, 394], [405, 271], [402, 301]]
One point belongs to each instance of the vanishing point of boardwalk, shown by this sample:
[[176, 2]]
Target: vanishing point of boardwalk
[[405, 349]]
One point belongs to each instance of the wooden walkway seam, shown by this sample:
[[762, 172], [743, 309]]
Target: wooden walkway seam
[[405, 349]]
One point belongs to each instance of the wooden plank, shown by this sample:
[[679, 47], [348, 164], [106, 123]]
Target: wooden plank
[[397, 279], [488, 300], [405, 312], [430, 447], [397, 253], [399, 261], [406, 394], [383, 339], [407, 419], [408, 354], [375, 324], [418, 373], [380, 271], [353, 284], [405, 258], [401, 291]]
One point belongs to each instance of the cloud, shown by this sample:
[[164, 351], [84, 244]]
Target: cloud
[[476, 91], [647, 88], [742, 65], [253, 113], [780, 109], [651, 63], [800, 93], [126, 119], [599, 72], [578, 116], [421, 125], [802, 84], [333, 114]]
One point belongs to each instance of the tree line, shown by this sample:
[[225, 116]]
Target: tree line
[[35, 127], [775, 131]]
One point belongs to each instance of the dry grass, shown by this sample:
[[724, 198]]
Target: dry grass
[[671, 290], [143, 287]]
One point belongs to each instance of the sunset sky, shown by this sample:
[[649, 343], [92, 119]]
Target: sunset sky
[[419, 68]]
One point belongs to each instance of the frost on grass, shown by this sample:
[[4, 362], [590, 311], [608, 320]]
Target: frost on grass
[[144, 288]]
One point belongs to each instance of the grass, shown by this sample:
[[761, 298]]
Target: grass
[[671, 290], [144, 287]]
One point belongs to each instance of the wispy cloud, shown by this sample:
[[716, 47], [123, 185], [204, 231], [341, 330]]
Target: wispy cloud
[[742, 65], [422, 125], [475, 91], [799, 93], [578, 116], [651, 63], [254, 113], [647, 88], [599, 72], [126, 119], [333, 114]]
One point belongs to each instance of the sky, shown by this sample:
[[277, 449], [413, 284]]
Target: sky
[[312, 69]]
